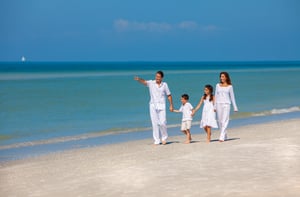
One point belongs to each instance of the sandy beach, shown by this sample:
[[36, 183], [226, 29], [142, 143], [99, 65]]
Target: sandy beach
[[257, 160]]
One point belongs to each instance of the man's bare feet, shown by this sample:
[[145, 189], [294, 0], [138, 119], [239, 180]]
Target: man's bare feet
[[164, 142]]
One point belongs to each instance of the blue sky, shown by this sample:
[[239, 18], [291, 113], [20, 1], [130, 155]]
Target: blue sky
[[156, 30]]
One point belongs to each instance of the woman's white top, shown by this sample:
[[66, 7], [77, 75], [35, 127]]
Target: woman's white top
[[225, 95]]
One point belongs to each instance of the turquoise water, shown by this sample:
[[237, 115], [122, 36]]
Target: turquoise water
[[43, 102]]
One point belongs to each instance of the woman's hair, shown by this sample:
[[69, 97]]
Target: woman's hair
[[228, 80], [211, 90]]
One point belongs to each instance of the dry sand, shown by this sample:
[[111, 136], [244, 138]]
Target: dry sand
[[258, 160]]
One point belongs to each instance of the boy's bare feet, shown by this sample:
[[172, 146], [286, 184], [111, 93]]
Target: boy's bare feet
[[187, 142]]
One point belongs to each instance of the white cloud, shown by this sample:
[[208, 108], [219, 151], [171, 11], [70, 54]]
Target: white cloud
[[188, 25], [210, 28], [121, 24], [126, 25]]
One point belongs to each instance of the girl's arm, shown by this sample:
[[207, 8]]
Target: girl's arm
[[198, 106], [177, 111]]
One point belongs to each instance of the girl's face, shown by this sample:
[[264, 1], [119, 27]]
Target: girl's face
[[223, 78], [206, 91]]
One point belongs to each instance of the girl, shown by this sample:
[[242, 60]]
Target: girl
[[224, 98], [208, 120]]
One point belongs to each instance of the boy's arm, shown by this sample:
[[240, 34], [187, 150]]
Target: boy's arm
[[142, 81], [177, 111]]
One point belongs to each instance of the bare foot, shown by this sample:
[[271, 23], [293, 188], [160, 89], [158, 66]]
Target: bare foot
[[164, 142], [187, 142], [221, 140]]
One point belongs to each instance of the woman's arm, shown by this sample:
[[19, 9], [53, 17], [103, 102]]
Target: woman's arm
[[233, 99]]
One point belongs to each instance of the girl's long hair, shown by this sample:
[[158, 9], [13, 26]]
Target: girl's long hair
[[228, 80], [211, 90]]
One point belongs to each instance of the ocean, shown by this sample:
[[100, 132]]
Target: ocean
[[46, 103]]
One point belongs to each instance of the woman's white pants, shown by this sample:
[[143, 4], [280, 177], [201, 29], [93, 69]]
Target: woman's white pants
[[223, 112]]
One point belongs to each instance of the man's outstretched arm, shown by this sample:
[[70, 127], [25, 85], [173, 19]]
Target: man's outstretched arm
[[142, 81]]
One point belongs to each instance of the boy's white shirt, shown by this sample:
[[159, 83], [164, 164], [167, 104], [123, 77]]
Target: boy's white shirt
[[186, 110]]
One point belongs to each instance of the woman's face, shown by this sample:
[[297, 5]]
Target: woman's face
[[223, 78]]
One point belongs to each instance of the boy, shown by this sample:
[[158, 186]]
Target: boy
[[186, 109]]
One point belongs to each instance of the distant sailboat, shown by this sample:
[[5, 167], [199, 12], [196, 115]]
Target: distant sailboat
[[23, 59]]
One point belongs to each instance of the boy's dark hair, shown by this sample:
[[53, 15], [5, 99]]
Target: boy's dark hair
[[185, 96], [161, 73]]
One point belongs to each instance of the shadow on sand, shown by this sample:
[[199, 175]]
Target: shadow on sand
[[230, 139]]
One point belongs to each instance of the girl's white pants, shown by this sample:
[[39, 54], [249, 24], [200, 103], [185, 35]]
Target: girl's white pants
[[223, 112], [159, 124]]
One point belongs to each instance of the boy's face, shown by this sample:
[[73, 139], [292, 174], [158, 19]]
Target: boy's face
[[183, 100]]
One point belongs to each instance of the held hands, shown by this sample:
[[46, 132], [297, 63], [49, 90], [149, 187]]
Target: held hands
[[193, 113], [171, 108]]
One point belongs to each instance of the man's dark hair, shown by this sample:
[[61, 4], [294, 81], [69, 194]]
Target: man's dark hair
[[185, 96], [161, 73]]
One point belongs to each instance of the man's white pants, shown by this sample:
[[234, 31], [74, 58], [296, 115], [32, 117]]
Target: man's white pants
[[159, 124], [223, 112]]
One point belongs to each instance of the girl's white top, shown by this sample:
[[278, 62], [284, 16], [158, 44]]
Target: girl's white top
[[225, 95]]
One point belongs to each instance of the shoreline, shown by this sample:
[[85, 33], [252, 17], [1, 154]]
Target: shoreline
[[38, 148], [257, 160]]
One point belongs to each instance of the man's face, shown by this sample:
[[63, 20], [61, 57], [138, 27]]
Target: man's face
[[158, 78]]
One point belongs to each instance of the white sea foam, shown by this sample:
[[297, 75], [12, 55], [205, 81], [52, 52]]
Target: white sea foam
[[278, 111]]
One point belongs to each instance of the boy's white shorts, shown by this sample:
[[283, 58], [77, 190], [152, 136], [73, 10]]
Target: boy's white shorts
[[186, 125]]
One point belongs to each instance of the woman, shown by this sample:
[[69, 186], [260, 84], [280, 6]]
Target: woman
[[224, 97]]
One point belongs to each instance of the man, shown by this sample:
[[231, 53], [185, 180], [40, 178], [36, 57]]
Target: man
[[158, 90]]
